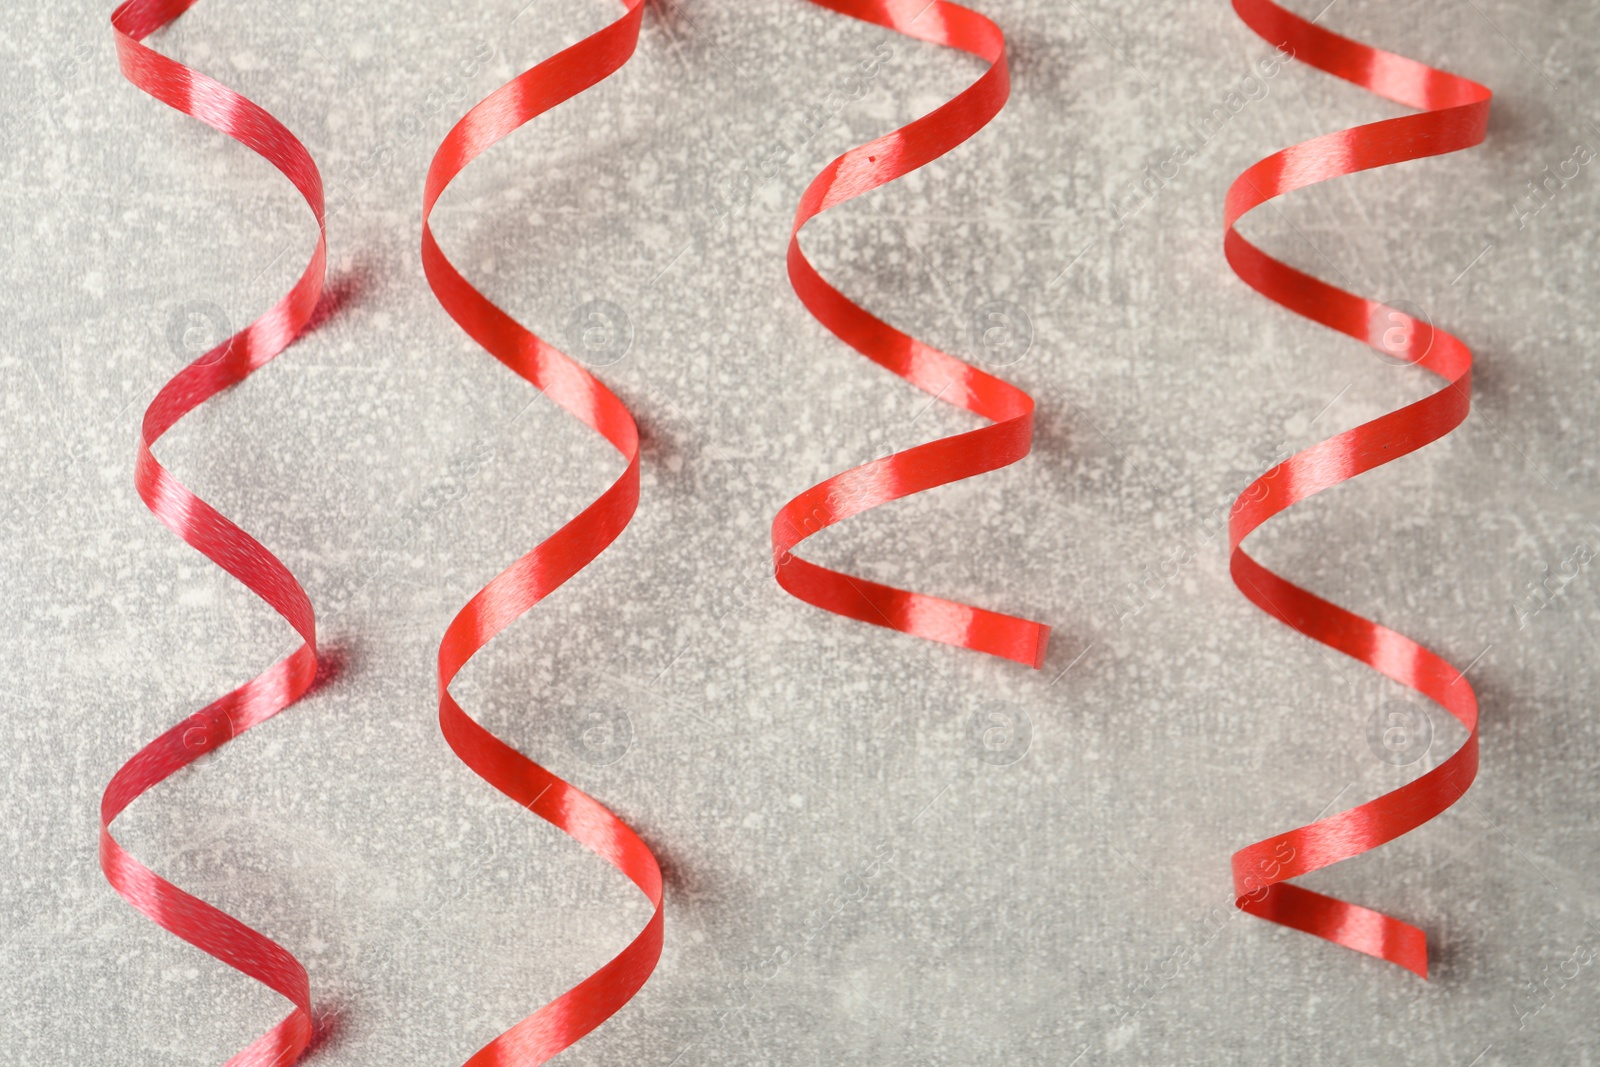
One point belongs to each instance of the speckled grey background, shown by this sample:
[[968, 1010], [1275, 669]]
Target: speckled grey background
[[853, 876]]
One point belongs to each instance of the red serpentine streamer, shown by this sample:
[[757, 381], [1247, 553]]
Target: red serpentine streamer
[[225, 544], [540, 572], [935, 463], [1454, 114]]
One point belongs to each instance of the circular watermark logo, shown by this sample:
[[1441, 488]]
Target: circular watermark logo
[[601, 736], [195, 329], [598, 333], [1001, 733], [207, 730], [1002, 332], [1399, 732], [1400, 332]]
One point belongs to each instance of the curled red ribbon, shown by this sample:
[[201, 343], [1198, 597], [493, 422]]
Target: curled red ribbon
[[543, 570], [1454, 115], [950, 459], [221, 541]]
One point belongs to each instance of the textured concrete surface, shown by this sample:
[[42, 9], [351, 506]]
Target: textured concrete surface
[[853, 876]]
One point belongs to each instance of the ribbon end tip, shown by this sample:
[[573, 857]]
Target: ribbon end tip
[[1041, 648]]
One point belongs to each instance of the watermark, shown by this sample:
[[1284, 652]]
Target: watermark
[[1199, 932], [1399, 732], [1002, 332], [1137, 193], [1543, 190], [45, 493], [1001, 733], [1399, 332], [798, 131], [58, 75], [854, 888], [599, 736], [207, 729], [436, 498], [1536, 994], [1546, 589], [449, 89], [1132, 598], [598, 333], [196, 331]]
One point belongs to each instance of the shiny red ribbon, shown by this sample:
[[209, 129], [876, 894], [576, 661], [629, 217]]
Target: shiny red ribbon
[[221, 541], [540, 572], [936, 463], [1454, 115]]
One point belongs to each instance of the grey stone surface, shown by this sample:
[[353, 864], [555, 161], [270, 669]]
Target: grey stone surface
[[1010, 909]]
